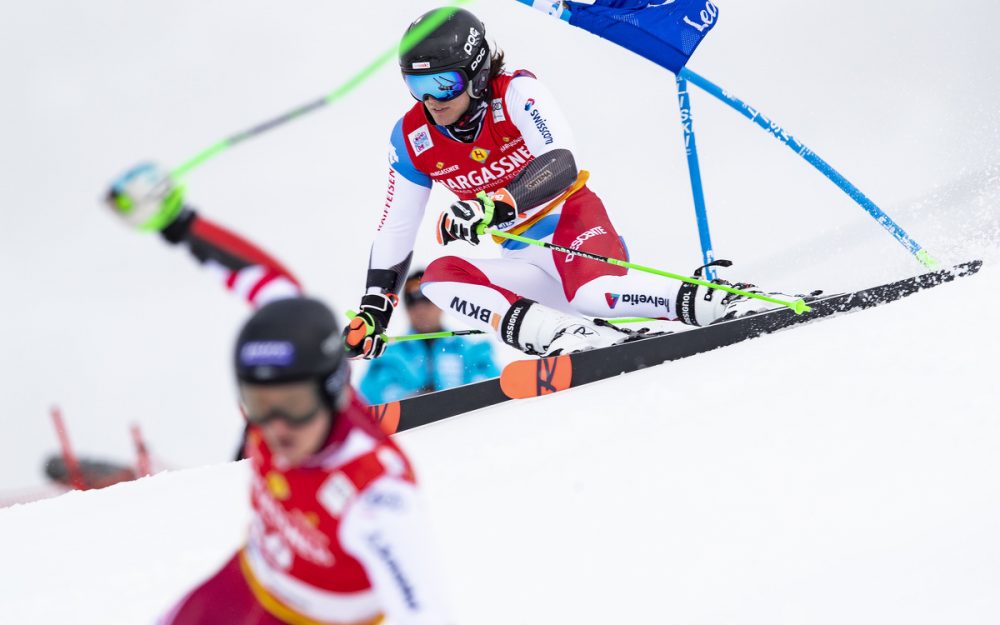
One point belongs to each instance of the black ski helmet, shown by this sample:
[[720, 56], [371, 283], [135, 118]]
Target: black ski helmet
[[457, 44], [293, 340]]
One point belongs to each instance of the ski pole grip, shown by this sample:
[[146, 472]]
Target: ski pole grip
[[490, 208], [369, 328]]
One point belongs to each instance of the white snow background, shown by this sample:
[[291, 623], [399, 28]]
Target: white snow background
[[841, 472]]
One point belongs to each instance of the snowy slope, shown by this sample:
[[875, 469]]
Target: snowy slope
[[854, 483], [840, 472]]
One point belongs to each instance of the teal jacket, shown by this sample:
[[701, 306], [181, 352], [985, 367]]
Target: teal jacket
[[415, 367]]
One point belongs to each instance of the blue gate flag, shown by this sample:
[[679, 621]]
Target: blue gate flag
[[666, 32]]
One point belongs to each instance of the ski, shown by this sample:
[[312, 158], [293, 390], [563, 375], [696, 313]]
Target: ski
[[412, 412], [533, 378]]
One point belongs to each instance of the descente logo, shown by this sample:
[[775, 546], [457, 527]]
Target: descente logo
[[578, 242]]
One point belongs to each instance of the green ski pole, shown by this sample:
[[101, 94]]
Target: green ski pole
[[416, 337], [409, 41], [799, 306], [433, 335]]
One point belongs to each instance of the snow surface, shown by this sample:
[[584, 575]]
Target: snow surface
[[841, 472]]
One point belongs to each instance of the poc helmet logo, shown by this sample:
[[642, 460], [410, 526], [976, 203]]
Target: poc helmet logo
[[479, 59], [472, 41]]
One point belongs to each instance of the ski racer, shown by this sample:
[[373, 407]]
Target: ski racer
[[477, 129], [337, 534]]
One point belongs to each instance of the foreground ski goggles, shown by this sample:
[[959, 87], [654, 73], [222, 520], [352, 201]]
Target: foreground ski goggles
[[296, 404], [443, 86]]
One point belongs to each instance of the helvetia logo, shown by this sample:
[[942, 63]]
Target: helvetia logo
[[635, 299]]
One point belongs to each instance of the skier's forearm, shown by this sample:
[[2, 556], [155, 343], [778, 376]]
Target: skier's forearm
[[390, 279], [242, 265], [544, 178]]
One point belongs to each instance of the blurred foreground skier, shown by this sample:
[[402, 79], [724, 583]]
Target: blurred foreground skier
[[338, 535], [477, 129]]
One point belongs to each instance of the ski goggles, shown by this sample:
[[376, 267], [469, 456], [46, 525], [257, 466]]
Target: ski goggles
[[443, 86], [296, 404]]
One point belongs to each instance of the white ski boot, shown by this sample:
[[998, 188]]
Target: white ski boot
[[699, 305], [538, 330]]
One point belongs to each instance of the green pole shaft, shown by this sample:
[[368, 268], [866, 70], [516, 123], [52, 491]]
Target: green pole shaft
[[417, 337], [799, 306], [433, 335], [409, 41]]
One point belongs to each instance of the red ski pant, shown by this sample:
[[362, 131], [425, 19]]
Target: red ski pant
[[225, 598], [480, 291]]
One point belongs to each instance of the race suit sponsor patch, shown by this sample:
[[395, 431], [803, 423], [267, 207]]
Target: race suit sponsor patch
[[421, 140]]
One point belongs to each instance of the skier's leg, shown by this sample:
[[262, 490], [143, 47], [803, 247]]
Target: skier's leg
[[599, 289], [472, 290], [608, 291], [223, 598], [481, 293]]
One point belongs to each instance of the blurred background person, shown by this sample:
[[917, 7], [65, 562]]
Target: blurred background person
[[412, 368]]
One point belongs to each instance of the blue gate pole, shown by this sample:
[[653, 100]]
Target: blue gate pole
[[694, 169], [779, 133]]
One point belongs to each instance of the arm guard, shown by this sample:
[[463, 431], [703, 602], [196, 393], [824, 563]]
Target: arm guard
[[543, 179]]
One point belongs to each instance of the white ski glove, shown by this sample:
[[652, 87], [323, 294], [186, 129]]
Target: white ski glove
[[466, 219], [145, 197]]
